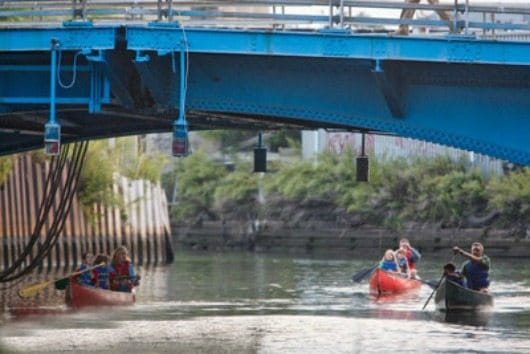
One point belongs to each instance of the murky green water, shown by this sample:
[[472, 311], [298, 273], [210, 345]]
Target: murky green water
[[247, 303]]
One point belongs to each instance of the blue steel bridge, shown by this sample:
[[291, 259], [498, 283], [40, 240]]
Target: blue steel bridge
[[112, 68]]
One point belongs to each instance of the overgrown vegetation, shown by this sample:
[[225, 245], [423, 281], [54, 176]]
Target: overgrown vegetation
[[435, 191], [106, 157], [6, 165]]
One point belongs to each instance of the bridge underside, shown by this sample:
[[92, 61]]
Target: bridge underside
[[449, 92]]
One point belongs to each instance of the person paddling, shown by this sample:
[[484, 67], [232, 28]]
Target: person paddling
[[476, 269], [121, 270], [451, 274], [85, 278]]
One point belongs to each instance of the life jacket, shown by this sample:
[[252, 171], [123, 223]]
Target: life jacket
[[388, 265], [101, 277], [121, 270], [477, 275], [410, 259], [456, 279], [84, 278], [402, 262]]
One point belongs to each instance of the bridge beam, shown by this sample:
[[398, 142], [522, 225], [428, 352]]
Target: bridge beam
[[446, 49], [69, 38]]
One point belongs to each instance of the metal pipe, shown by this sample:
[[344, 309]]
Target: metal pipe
[[362, 144], [466, 17], [53, 77], [183, 79], [260, 139], [341, 13], [330, 13]]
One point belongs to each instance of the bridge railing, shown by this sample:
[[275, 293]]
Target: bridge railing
[[462, 16]]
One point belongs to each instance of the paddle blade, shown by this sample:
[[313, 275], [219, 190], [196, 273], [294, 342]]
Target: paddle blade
[[61, 284], [359, 276], [33, 289]]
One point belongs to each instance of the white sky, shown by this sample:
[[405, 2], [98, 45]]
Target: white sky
[[390, 13]]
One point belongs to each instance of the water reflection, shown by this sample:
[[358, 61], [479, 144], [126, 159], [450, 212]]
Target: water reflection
[[268, 303], [407, 297], [467, 318]]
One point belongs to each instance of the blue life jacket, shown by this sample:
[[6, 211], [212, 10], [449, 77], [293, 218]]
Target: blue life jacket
[[477, 275], [86, 277], [388, 265], [456, 279], [102, 277], [402, 262]]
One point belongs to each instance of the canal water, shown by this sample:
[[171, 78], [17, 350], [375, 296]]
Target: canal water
[[263, 303]]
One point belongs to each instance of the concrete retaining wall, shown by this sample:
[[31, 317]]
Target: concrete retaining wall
[[328, 239]]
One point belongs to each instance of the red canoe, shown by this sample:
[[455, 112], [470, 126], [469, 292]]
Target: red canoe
[[384, 283], [78, 295]]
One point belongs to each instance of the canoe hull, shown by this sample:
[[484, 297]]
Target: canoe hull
[[384, 283], [78, 296], [453, 297]]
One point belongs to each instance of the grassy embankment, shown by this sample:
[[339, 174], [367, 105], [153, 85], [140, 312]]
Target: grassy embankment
[[438, 192]]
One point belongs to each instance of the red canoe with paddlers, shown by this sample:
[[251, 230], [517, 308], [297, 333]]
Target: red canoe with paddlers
[[385, 283], [78, 295]]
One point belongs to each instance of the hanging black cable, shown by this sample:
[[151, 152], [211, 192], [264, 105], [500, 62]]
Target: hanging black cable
[[52, 186]]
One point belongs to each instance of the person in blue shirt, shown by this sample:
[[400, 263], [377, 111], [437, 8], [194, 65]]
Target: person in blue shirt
[[388, 262], [451, 274], [476, 269], [85, 278]]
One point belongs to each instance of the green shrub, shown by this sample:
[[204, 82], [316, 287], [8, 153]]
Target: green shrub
[[197, 178], [510, 195]]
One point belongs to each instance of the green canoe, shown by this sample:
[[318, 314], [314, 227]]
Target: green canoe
[[453, 297]]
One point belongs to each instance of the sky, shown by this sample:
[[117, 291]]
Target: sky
[[323, 10]]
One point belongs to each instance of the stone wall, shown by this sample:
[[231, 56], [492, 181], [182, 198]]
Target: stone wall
[[327, 239]]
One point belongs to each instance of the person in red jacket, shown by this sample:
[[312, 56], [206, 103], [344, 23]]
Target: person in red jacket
[[412, 255], [123, 277]]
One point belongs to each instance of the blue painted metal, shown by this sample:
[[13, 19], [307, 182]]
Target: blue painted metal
[[458, 91], [180, 127], [52, 130], [453, 49], [70, 38], [53, 74]]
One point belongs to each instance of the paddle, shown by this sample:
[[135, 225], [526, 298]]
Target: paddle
[[437, 285], [360, 275], [36, 288]]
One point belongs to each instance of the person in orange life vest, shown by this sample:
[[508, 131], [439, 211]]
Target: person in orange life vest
[[101, 273], [412, 255], [121, 270], [84, 278]]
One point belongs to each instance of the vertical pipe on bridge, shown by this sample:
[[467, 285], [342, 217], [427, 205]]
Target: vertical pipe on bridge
[[180, 127], [53, 73], [52, 130]]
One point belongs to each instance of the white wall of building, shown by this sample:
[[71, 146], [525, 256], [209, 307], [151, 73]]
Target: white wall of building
[[317, 141]]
